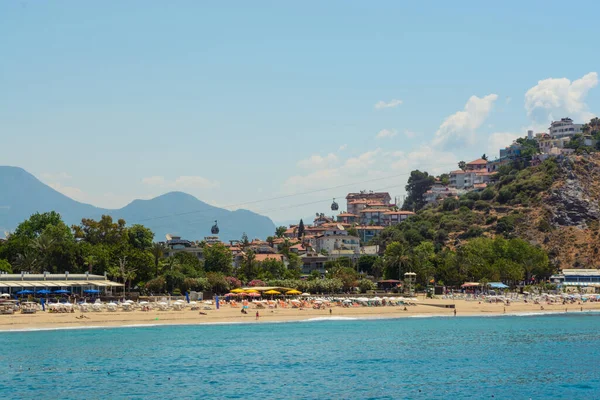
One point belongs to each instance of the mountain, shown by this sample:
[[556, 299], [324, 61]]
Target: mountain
[[22, 194]]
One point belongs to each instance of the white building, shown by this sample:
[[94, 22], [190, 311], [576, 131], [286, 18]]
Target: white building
[[564, 128], [333, 243]]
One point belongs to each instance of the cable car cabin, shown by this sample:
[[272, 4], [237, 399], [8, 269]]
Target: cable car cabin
[[334, 206], [215, 229]]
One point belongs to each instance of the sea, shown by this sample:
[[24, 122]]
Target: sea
[[504, 357]]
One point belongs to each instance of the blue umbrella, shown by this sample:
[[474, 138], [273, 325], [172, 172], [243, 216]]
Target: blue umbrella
[[91, 291], [26, 291], [62, 291], [44, 291]]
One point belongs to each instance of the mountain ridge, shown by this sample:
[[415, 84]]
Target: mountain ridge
[[179, 213]]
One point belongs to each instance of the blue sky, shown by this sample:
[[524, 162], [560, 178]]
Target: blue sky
[[242, 101]]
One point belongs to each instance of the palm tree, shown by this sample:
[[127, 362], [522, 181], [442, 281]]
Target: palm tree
[[89, 262], [158, 251], [43, 244], [27, 261]]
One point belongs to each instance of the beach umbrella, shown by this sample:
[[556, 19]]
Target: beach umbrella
[[272, 292], [305, 294], [251, 291], [25, 291], [254, 294], [91, 291], [231, 294], [293, 292], [237, 291], [61, 291]]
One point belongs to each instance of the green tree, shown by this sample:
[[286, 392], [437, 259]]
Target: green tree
[[462, 165], [218, 258], [158, 252], [140, 237], [397, 261], [418, 183], [484, 157], [280, 231], [104, 231], [444, 179], [366, 262], [5, 267], [423, 257], [301, 230]]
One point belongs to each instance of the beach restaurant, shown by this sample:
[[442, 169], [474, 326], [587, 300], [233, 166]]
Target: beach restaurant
[[577, 277], [72, 283]]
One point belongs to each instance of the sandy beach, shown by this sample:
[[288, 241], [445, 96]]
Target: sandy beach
[[226, 314]]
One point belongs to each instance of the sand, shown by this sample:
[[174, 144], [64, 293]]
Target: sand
[[45, 320]]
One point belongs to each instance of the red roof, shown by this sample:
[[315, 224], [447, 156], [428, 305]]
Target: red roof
[[369, 227], [399, 213], [346, 215], [263, 257], [479, 161]]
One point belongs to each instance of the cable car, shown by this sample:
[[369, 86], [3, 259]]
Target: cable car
[[215, 229], [334, 206]]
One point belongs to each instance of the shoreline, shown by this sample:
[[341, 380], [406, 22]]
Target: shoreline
[[44, 321]]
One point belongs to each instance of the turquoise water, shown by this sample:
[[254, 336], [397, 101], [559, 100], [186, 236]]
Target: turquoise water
[[541, 357]]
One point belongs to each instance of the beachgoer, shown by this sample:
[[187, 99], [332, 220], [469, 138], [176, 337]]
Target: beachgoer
[[330, 311], [505, 310], [455, 312], [257, 315], [406, 309]]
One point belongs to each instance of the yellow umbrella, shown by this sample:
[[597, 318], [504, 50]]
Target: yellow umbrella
[[251, 291], [294, 291], [237, 291], [272, 292]]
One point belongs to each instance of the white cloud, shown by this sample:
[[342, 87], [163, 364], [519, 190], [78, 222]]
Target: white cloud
[[317, 161], [154, 180], [426, 158], [459, 128], [390, 104], [409, 134], [70, 191], [556, 98], [59, 176], [499, 140], [362, 161], [182, 182], [343, 147], [386, 133]]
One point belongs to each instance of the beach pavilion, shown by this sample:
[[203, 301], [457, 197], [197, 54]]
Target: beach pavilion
[[72, 283]]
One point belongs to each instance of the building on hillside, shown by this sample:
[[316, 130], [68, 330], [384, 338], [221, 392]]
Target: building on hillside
[[511, 152], [321, 219], [395, 217], [300, 249], [371, 250], [291, 232], [470, 179], [563, 128], [355, 202], [494, 166], [332, 243], [477, 165], [347, 218], [368, 232], [439, 192], [343, 253], [313, 262], [175, 244], [373, 215], [547, 143]]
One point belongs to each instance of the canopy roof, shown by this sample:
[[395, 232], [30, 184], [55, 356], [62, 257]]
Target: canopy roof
[[497, 285], [42, 284], [470, 284]]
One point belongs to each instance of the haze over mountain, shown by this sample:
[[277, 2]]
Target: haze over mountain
[[22, 194]]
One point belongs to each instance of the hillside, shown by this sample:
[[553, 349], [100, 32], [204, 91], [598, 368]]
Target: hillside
[[554, 205], [22, 194]]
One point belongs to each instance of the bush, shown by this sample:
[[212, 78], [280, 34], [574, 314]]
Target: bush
[[473, 232], [449, 204], [482, 205], [472, 196], [488, 194], [491, 220], [467, 203], [365, 284], [505, 194]]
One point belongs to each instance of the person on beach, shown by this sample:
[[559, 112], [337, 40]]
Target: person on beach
[[455, 312], [257, 315], [330, 311]]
